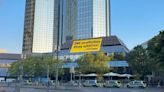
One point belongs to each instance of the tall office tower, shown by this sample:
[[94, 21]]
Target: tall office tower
[[69, 20], [93, 18], [49, 23], [41, 26], [28, 26]]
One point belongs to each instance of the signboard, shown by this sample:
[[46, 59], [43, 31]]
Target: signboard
[[89, 45]]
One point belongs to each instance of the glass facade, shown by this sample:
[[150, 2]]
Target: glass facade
[[52, 22], [5, 62], [69, 16], [43, 26], [85, 20], [99, 18], [93, 18], [111, 64], [48, 23]]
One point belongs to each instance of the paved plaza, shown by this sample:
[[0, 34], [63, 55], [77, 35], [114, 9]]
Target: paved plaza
[[83, 89]]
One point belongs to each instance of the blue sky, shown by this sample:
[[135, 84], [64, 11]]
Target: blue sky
[[133, 21]]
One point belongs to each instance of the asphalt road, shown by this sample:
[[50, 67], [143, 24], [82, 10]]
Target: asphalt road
[[11, 89]]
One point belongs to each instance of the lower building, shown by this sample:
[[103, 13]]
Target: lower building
[[5, 62], [110, 46]]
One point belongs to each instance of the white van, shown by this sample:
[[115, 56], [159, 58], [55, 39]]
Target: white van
[[137, 84], [90, 83], [112, 83]]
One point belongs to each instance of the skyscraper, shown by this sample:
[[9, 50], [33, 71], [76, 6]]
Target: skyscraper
[[69, 20], [93, 18], [86, 19], [28, 26], [41, 28], [49, 23], [45, 25]]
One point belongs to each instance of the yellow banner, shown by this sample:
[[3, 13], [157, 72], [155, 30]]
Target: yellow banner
[[89, 45]]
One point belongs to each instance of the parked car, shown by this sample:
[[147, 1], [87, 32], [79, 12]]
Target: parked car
[[137, 84], [112, 83], [90, 83], [52, 83], [27, 82], [73, 83]]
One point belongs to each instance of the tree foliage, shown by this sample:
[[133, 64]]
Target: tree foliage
[[144, 61], [53, 64], [138, 60], [14, 70], [156, 51], [36, 66], [90, 63]]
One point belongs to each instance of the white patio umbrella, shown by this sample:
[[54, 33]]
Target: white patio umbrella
[[126, 75], [90, 75], [112, 74]]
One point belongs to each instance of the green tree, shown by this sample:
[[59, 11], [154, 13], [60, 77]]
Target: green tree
[[14, 69], [90, 63], [156, 52], [32, 66], [53, 64], [36, 66], [138, 60]]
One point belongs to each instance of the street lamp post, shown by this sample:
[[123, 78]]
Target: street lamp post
[[79, 79], [57, 69], [21, 69], [48, 72], [58, 41], [72, 72], [17, 87]]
